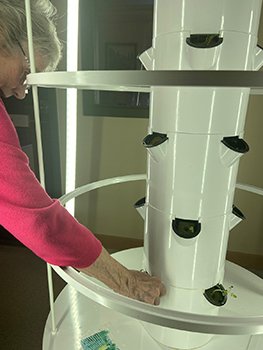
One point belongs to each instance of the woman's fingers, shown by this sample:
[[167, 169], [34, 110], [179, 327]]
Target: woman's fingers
[[146, 288]]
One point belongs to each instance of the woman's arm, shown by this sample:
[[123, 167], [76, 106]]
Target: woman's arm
[[133, 284]]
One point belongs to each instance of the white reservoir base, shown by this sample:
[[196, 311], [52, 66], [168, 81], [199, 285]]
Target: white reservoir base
[[78, 317]]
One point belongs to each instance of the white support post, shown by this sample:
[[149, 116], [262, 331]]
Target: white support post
[[39, 144]]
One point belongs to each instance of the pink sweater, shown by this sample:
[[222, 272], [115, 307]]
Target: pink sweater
[[40, 223]]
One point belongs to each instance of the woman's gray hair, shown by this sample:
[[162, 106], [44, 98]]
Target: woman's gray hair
[[13, 29]]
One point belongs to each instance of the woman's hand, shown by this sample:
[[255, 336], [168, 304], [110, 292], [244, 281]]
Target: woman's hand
[[144, 287], [133, 284]]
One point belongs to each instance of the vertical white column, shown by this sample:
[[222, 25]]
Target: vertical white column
[[39, 147], [192, 163], [72, 65], [35, 95]]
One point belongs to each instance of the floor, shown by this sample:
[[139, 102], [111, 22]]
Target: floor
[[24, 298]]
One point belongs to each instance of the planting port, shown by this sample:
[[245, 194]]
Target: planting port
[[186, 228], [216, 295], [204, 41]]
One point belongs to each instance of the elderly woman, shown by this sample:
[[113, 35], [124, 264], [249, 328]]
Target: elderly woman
[[38, 221]]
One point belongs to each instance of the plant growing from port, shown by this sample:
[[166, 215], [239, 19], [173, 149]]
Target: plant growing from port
[[225, 291]]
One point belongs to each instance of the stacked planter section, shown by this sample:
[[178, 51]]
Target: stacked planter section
[[194, 144]]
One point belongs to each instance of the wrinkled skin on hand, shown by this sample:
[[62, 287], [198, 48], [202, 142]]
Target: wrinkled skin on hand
[[133, 284], [144, 287]]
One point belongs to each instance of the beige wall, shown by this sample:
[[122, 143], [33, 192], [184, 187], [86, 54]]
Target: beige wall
[[247, 237], [109, 147]]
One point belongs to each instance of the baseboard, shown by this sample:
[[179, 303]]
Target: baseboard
[[249, 261]]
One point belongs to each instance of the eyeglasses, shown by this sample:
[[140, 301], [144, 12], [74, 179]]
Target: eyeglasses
[[26, 58], [28, 63]]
